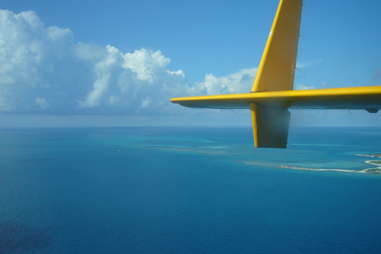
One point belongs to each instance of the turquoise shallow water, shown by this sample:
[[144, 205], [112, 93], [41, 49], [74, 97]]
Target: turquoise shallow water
[[181, 190]]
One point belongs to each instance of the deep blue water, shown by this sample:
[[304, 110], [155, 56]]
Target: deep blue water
[[181, 190]]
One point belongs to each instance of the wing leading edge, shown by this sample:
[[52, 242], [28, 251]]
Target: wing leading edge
[[368, 97]]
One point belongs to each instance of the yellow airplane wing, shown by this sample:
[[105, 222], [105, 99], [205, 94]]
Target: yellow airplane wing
[[271, 95]]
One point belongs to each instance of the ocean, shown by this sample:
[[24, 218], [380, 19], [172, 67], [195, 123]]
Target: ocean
[[188, 191]]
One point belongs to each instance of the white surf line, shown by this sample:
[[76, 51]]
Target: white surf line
[[324, 169], [376, 170]]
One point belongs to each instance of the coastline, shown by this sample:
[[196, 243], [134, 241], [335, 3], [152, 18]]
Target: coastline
[[374, 170]]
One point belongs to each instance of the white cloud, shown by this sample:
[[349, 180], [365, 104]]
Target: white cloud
[[239, 82], [43, 70], [145, 66]]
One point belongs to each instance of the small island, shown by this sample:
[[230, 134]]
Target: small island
[[375, 163], [369, 155], [374, 170]]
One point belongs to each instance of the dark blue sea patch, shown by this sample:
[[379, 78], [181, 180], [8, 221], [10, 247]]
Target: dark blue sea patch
[[19, 238]]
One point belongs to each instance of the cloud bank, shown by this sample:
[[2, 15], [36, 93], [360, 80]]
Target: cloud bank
[[44, 70]]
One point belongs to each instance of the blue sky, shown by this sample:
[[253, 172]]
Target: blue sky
[[339, 46]]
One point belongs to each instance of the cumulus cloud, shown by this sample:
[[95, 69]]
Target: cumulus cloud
[[239, 82], [44, 70]]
